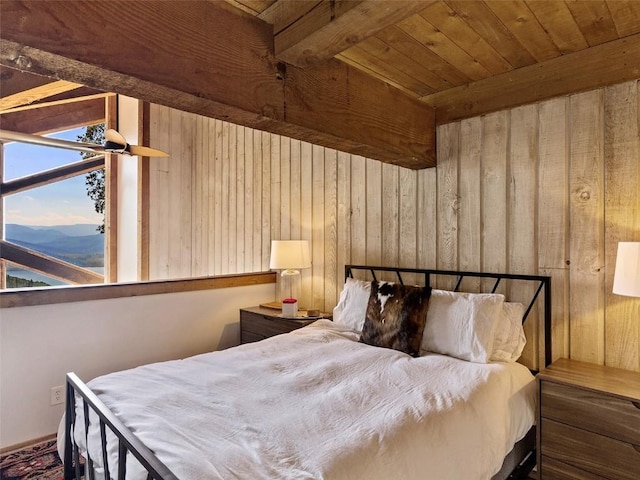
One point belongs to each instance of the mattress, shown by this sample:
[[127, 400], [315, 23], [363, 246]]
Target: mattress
[[316, 403]]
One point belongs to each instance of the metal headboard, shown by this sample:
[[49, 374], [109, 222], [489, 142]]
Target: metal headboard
[[542, 282]]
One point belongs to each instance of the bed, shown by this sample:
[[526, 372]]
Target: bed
[[321, 402]]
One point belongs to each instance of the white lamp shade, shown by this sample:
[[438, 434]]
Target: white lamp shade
[[289, 254], [626, 280]]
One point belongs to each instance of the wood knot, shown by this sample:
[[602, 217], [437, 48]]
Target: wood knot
[[352, 39], [22, 62], [585, 195], [269, 111], [455, 203]]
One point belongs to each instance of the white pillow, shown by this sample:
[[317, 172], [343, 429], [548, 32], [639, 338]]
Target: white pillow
[[509, 339], [351, 309], [462, 325]]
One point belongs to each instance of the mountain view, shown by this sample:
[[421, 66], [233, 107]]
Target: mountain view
[[80, 245]]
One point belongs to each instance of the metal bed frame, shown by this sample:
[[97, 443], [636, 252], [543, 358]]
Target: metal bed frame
[[544, 283], [128, 443]]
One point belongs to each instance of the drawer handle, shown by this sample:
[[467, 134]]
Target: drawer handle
[[636, 404]]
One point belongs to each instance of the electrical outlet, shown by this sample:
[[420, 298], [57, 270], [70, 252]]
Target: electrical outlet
[[57, 395]]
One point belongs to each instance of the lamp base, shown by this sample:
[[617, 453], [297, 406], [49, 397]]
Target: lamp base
[[289, 284]]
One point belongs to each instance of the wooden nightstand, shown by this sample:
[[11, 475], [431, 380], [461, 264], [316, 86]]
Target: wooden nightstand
[[588, 422], [257, 323]]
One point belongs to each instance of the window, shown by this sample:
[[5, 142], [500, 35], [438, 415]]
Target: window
[[52, 233]]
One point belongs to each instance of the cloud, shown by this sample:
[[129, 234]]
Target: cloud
[[47, 210], [50, 218]]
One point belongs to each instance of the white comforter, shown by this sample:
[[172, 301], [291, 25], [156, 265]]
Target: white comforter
[[316, 404]]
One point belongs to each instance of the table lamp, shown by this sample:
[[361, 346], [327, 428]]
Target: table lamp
[[626, 280], [289, 256]]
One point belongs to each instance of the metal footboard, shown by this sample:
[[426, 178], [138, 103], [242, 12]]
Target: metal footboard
[[127, 442]]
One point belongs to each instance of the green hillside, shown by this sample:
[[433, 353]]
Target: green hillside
[[15, 282]]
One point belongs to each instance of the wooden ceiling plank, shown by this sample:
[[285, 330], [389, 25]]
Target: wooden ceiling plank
[[419, 28], [442, 75], [605, 64], [52, 175], [55, 102], [56, 118], [524, 25], [557, 20], [14, 81], [595, 21], [46, 265], [333, 27], [27, 97], [626, 16], [204, 70], [479, 17], [445, 19], [83, 91], [397, 66], [354, 58]]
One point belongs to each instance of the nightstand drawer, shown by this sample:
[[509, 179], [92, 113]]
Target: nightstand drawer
[[593, 411], [257, 323], [250, 337], [267, 327], [593, 453], [555, 470]]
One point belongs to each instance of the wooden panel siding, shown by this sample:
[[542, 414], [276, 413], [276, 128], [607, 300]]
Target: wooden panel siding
[[622, 217], [548, 188]]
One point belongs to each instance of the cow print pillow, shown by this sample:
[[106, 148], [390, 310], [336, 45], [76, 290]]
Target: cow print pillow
[[396, 316]]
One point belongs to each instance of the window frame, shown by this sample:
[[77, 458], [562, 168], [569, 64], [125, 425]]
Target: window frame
[[52, 266]]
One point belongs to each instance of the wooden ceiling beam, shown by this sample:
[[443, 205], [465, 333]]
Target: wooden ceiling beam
[[14, 81], [189, 61], [606, 64], [331, 27], [27, 97], [53, 103], [55, 118]]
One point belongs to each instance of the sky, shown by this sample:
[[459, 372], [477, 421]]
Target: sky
[[60, 203]]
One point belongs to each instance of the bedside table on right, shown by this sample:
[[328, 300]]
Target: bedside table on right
[[588, 422], [258, 323]]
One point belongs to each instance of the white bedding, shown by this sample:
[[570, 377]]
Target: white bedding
[[316, 404]]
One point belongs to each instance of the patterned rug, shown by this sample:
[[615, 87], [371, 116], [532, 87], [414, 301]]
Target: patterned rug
[[38, 462]]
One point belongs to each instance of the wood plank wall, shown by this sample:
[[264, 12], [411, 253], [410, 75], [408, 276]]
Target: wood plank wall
[[548, 188]]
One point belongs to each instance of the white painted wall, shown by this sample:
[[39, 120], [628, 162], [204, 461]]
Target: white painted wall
[[38, 345]]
